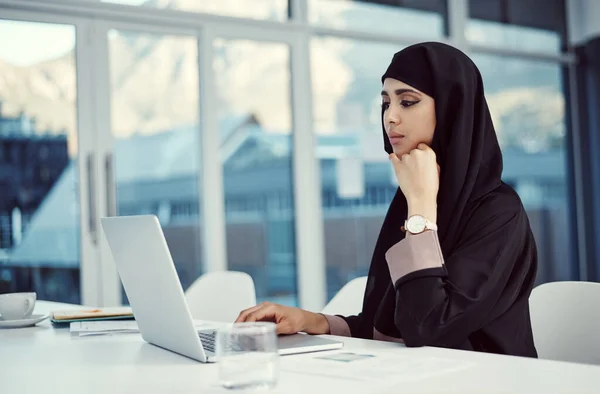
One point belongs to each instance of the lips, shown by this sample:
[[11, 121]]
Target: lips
[[395, 138]]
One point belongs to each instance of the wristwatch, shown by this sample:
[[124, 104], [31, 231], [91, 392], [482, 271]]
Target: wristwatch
[[416, 224]]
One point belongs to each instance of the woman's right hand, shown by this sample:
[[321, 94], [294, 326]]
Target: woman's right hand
[[289, 320]]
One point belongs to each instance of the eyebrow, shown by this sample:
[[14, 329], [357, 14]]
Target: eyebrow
[[398, 92]]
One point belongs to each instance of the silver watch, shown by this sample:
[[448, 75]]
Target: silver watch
[[416, 224]]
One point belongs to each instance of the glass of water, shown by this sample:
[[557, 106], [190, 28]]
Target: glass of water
[[247, 356]]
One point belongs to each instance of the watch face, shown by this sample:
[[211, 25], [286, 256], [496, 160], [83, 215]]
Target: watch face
[[416, 224]]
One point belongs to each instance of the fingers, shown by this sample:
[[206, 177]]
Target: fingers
[[268, 314], [263, 312], [426, 148], [243, 314], [284, 328], [422, 148], [419, 150], [397, 162], [246, 312], [267, 311]]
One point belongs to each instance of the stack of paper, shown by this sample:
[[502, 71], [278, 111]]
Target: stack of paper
[[84, 328], [108, 327], [90, 314]]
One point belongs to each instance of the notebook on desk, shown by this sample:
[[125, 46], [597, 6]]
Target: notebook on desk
[[91, 314]]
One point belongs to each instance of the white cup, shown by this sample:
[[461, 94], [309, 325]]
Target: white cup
[[16, 306]]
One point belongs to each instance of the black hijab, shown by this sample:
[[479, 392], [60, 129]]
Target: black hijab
[[464, 139], [479, 217]]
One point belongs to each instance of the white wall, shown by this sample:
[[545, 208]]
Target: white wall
[[583, 19]]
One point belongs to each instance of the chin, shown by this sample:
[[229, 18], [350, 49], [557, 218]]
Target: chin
[[401, 151]]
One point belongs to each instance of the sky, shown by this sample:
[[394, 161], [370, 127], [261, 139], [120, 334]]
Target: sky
[[130, 2], [27, 43]]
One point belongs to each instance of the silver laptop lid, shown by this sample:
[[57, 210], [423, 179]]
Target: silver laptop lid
[[151, 283]]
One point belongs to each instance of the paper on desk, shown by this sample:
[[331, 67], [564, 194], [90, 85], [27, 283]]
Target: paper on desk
[[374, 367], [83, 328], [107, 327]]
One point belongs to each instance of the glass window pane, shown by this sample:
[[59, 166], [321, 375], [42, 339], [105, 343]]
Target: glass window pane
[[253, 90], [528, 25], [413, 18], [275, 10], [39, 206], [528, 109], [356, 179], [154, 109]]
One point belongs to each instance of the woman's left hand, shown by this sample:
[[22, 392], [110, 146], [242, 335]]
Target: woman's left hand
[[418, 175]]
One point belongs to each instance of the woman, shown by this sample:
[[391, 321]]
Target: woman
[[455, 260]]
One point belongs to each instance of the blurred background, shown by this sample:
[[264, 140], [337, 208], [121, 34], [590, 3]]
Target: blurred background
[[251, 129]]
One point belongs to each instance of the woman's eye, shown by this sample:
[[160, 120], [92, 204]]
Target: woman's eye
[[385, 106], [407, 103]]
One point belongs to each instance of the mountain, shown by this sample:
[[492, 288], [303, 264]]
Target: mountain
[[154, 84], [45, 91]]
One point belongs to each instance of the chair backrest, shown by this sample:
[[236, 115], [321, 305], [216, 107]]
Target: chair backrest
[[221, 296], [349, 300], [565, 318]]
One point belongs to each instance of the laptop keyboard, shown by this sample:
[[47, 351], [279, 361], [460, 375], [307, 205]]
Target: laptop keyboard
[[208, 340]]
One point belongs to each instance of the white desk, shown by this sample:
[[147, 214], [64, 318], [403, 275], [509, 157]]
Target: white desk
[[44, 359]]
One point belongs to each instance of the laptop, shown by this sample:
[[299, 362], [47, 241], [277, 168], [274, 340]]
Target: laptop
[[157, 299]]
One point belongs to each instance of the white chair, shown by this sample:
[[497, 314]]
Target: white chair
[[221, 296], [565, 317], [348, 301]]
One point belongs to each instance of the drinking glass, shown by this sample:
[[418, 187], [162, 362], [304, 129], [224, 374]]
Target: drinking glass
[[247, 356]]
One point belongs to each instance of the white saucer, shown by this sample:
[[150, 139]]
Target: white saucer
[[30, 321]]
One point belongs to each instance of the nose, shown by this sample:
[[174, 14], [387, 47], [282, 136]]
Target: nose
[[392, 115]]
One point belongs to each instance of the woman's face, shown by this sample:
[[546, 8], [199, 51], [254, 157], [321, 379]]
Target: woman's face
[[408, 116]]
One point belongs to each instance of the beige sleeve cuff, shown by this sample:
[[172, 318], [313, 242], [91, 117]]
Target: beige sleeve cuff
[[414, 253], [338, 326]]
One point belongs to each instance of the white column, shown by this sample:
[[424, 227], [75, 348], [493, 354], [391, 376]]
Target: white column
[[110, 283], [299, 10], [583, 20], [310, 255], [212, 197], [90, 263], [17, 226], [458, 16]]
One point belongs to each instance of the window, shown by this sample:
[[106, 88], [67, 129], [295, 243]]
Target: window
[[528, 25], [412, 18], [276, 10], [527, 104], [253, 91], [38, 108], [346, 78], [154, 117]]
